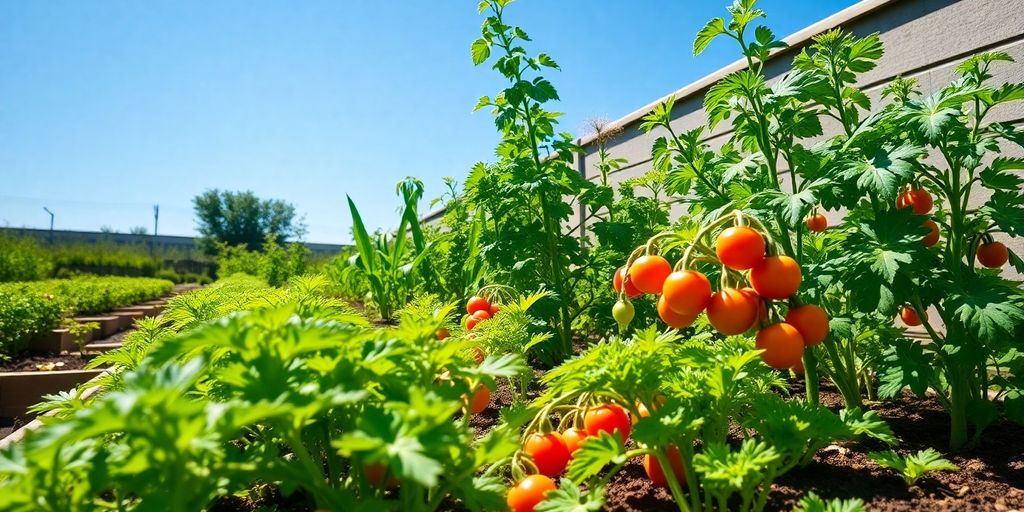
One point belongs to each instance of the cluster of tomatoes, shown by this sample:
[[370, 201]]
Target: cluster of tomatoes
[[552, 451], [685, 294], [479, 309]]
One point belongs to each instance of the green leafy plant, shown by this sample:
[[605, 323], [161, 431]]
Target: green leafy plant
[[524, 193], [22, 259], [81, 332], [814, 503], [392, 271], [913, 466]]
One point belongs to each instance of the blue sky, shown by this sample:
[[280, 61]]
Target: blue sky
[[109, 107]]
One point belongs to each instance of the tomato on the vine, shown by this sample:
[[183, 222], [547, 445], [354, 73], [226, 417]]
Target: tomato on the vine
[[623, 313], [776, 277], [909, 316], [811, 321], [648, 273], [471, 323], [442, 333], [739, 247], [798, 368], [573, 437], [918, 199], [480, 399], [483, 314], [993, 254], [817, 223], [732, 311], [494, 309], [782, 344], [608, 418], [631, 290], [529, 492], [673, 319], [657, 474], [549, 452], [687, 292], [477, 303], [932, 237]]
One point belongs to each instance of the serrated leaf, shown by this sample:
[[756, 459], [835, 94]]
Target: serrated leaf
[[594, 454], [481, 50], [706, 34], [569, 498]]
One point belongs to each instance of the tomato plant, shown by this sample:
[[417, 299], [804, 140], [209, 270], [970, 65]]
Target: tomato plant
[[529, 492]]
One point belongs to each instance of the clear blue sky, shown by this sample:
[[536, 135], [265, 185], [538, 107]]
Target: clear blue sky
[[109, 107]]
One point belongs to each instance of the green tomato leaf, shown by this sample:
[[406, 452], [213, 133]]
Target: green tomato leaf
[[705, 35], [569, 498]]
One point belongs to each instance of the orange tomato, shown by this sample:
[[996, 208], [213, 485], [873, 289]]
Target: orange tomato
[[776, 277], [817, 223], [657, 474], [932, 237], [918, 199], [573, 437], [732, 311], [739, 247], [608, 418], [631, 290], [648, 273], [673, 319], [993, 255], [477, 303], [548, 451], [782, 344], [909, 316], [529, 492], [687, 292], [480, 399], [811, 321], [442, 333], [483, 314]]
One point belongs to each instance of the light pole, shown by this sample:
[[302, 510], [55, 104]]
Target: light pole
[[51, 223]]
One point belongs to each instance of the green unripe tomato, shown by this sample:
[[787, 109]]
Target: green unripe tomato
[[623, 313]]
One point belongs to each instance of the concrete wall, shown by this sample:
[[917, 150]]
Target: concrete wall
[[924, 39]]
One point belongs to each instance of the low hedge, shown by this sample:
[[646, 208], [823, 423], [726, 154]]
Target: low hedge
[[30, 309]]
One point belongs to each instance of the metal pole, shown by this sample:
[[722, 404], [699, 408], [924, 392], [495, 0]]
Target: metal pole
[[51, 223], [156, 218]]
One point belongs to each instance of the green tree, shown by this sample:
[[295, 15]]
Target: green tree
[[241, 218]]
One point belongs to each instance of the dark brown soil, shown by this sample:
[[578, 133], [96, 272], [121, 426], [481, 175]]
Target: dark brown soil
[[991, 477]]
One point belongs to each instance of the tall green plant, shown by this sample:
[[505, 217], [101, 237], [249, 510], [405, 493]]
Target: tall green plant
[[391, 269], [528, 194]]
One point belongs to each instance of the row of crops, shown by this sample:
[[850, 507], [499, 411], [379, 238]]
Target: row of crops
[[31, 309]]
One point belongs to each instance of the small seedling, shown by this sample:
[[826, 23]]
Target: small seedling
[[80, 332], [814, 503], [912, 467]]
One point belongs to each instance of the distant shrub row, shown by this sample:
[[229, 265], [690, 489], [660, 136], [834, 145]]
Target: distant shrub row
[[29, 309]]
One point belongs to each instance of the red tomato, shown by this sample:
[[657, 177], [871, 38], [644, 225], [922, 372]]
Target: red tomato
[[529, 492], [471, 323], [673, 319], [648, 273], [782, 344], [909, 316], [657, 475], [549, 452], [375, 472], [776, 277], [631, 290], [739, 247], [993, 255], [811, 321], [573, 438], [608, 418], [481, 315], [932, 237], [442, 333], [917, 199], [817, 223], [494, 309], [687, 292], [477, 303], [732, 311], [480, 399]]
